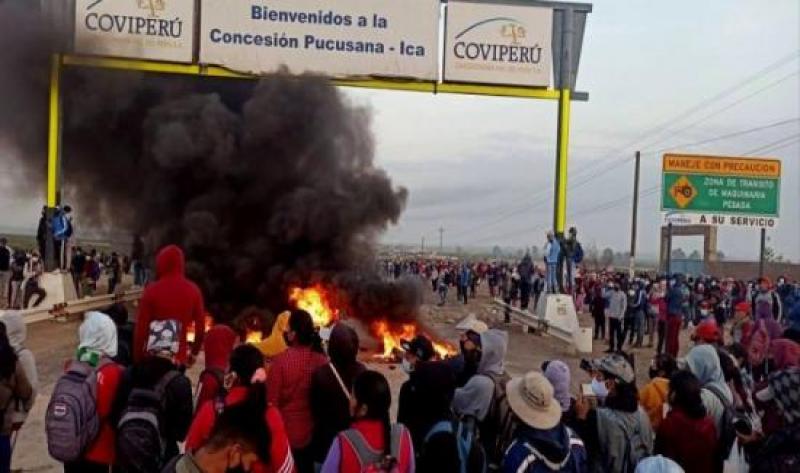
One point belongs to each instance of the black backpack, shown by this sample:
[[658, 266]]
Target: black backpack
[[141, 447], [497, 428], [727, 434]]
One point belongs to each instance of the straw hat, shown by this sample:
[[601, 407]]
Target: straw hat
[[531, 399]]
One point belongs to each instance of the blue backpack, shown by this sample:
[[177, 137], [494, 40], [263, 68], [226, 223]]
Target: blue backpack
[[578, 256], [470, 450], [62, 229]]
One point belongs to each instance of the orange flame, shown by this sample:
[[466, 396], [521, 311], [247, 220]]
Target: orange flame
[[190, 331], [316, 301], [392, 337], [254, 336]]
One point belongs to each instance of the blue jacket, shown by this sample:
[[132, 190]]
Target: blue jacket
[[551, 251], [535, 451], [675, 300]]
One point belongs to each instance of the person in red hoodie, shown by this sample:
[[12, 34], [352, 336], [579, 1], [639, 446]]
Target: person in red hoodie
[[372, 443], [688, 434], [171, 297], [97, 347], [245, 382], [289, 385], [218, 345]]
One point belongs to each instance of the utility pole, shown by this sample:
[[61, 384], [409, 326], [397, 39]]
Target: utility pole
[[669, 250], [441, 239], [634, 220], [762, 254]]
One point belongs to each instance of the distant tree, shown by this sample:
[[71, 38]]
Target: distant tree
[[695, 255], [678, 254], [535, 252], [497, 253], [608, 257], [592, 256], [720, 255], [770, 255]]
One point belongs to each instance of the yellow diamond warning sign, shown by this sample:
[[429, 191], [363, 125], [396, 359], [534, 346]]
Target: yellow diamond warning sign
[[682, 191]]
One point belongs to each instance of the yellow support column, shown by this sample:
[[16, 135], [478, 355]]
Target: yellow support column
[[54, 133], [562, 162]]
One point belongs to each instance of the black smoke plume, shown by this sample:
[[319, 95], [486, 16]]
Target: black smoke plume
[[264, 184]]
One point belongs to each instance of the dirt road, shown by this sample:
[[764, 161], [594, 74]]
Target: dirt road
[[55, 342]]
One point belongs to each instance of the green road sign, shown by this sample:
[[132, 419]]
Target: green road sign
[[733, 186]]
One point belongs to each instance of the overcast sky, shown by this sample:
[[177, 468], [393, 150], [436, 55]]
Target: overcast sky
[[483, 167]]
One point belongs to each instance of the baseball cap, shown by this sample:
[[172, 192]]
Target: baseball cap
[[471, 322], [617, 366], [531, 399], [420, 346], [707, 331]]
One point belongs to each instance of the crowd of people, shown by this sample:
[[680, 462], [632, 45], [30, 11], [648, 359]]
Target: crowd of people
[[296, 403]]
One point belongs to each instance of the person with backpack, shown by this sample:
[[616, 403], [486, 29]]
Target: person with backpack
[[449, 445], [17, 332], [372, 444], [79, 423], [217, 346], [704, 362], [173, 296], [778, 451], [238, 442], [766, 300], [14, 387], [484, 397], [542, 443], [617, 434], [244, 383], [687, 435], [331, 386], [289, 385], [154, 405]]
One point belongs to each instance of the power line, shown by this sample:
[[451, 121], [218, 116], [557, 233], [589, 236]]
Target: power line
[[733, 135]]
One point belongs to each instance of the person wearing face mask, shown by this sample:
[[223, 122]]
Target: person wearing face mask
[[653, 395], [409, 409], [289, 384], [465, 365], [238, 442], [244, 383], [618, 434]]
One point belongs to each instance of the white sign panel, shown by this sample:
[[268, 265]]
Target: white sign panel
[[720, 220], [389, 38], [141, 29], [498, 44]]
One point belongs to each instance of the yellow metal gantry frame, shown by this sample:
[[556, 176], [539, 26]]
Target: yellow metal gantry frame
[[59, 61]]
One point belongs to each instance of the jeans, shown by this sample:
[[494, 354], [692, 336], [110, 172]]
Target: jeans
[[552, 278], [571, 276], [5, 453], [673, 330], [638, 327], [662, 331], [442, 294], [5, 300], [32, 288], [139, 274], [465, 293], [615, 334], [600, 327]]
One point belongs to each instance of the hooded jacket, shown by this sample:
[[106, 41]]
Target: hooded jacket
[[171, 297], [556, 449], [17, 334], [274, 344], [475, 398], [217, 346], [330, 405], [703, 362]]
